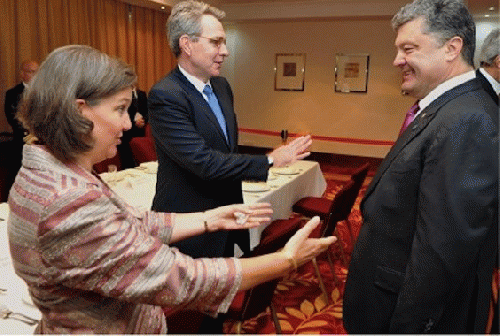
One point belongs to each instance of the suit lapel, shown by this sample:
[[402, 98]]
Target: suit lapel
[[416, 127], [487, 86], [420, 123], [201, 103]]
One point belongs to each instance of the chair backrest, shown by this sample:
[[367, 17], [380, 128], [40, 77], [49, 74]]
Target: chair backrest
[[341, 206], [147, 131], [276, 235], [143, 149], [360, 173], [103, 166], [273, 238]]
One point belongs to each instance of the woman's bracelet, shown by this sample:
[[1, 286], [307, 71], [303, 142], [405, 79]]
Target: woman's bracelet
[[290, 259], [293, 263]]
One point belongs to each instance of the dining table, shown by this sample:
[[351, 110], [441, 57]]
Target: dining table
[[14, 296], [284, 187]]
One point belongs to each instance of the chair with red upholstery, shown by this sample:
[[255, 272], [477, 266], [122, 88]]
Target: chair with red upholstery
[[250, 303], [104, 166], [147, 131], [359, 175], [320, 206], [143, 149], [340, 208]]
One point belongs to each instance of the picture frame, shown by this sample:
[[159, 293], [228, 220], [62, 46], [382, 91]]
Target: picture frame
[[351, 72], [289, 72]]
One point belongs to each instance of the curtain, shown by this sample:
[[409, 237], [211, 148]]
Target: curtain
[[31, 29]]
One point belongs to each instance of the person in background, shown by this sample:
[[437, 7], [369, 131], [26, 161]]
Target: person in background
[[94, 264], [489, 61], [489, 75], [199, 167], [12, 98], [426, 250], [138, 113]]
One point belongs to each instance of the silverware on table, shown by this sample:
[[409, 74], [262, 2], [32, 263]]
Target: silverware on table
[[6, 313]]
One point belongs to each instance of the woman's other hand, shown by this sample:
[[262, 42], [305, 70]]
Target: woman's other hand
[[238, 216]]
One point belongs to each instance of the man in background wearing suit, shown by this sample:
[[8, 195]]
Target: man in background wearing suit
[[425, 253], [489, 61], [138, 113], [199, 167], [489, 75], [12, 99]]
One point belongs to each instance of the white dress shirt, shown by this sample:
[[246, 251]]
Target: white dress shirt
[[444, 87]]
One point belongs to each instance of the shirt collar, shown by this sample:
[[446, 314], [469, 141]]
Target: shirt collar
[[444, 87], [493, 82], [198, 84]]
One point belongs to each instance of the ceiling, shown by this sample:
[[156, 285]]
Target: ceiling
[[478, 8]]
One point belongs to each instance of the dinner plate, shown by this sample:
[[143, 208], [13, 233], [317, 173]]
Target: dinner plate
[[255, 186], [286, 171], [112, 177], [150, 167], [271, 177]]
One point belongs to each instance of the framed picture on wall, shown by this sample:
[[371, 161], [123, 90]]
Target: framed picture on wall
[[351, 73], [289, 72]]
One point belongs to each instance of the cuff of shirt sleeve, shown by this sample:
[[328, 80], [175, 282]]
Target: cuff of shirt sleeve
[[226, 303]]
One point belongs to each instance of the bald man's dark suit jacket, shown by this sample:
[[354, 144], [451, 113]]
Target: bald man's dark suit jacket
[[198, 169], [487, 86], [12, 99], [426, 250]]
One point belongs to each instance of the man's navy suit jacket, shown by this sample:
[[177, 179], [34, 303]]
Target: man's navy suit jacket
[[198, 168]]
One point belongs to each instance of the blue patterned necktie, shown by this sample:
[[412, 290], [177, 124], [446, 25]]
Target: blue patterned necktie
[[214, 105]]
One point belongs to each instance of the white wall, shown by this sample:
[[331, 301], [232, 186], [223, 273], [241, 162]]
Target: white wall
[[318, 110]]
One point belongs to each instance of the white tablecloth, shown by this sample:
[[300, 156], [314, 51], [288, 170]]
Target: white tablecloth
[[286, 190], [16, 296], [285, 187]]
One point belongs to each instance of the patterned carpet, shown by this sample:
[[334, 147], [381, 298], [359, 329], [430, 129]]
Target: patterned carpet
[[300, 305]]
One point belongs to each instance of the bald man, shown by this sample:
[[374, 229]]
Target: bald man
[[12, 98]]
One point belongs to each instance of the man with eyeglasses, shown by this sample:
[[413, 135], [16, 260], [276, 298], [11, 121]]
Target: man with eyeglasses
[[196, 134]]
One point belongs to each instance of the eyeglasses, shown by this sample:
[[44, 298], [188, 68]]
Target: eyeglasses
[[216, 42]]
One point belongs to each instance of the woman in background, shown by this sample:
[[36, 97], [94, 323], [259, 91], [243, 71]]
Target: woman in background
[[94, 264]]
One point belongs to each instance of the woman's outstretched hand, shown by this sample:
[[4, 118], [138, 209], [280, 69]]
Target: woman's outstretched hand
[[297, 251], [238, 216], [301, 249]]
